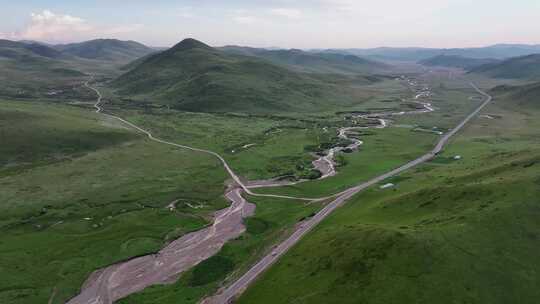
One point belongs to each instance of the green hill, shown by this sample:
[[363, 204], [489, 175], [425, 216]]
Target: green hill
[[32, 69], [193, 76], [35, 70], [17, 50], [106, 49], [454, 61], [525, 67], [312, 62]]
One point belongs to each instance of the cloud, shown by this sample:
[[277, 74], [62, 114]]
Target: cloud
[[245, 19], [51, 27], [290, 13]]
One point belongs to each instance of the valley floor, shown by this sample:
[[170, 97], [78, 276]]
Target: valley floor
[[99, 193]]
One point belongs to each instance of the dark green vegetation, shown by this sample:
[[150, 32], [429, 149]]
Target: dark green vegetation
[[106, 49], [312, 62], [454, 61], [462, 231], [91, 193], [195, 77], [526, 67]]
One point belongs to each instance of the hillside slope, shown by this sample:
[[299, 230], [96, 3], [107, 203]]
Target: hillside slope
[[454, 61], [312, 62], [526, 96], [193, 76], [106, 49], [525, 67]]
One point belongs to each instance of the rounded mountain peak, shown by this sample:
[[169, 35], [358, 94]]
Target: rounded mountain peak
[[190, 43]]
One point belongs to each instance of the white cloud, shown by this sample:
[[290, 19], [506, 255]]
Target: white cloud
[[290, 13], [51, 27], [245, 19]]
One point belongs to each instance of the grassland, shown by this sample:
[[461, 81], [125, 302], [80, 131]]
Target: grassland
[[451, 231], [92, 193]]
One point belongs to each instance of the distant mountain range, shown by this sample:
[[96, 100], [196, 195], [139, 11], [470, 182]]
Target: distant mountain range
[[453, 61], [32, 69], [193, 76], [311, 62], [498, 51], [112, 50], [106, 49]]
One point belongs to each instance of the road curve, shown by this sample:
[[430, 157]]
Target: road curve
[[228, 294], [99, 109]]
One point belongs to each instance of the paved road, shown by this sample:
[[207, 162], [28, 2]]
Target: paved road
[[228, 294]]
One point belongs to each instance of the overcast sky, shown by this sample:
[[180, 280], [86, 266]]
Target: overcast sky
[[280, 23]]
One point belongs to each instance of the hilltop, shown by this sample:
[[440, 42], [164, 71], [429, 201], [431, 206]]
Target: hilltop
[[454, 61], [524, 67], [193, 76]]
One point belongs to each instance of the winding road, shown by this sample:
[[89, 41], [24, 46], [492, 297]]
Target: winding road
[[114, 282]]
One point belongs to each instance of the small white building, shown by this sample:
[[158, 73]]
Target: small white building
[[457, 157]]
